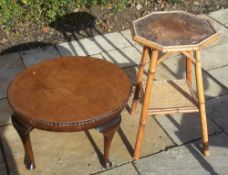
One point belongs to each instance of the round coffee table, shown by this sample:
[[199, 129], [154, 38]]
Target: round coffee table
[[69, 94]]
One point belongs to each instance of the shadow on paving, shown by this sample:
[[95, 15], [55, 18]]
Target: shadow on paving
[[8, 157], [188, 119], [84, 24], [80, 24], [11, 164], [187, 129]]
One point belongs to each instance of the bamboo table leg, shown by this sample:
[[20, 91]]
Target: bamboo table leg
[[144, 112], [189, 70], [24, 131], [201, 104], [139, 79]]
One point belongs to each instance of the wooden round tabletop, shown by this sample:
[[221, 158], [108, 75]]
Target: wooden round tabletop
[[69, 93]]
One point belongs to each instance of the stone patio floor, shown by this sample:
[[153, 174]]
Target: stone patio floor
[[171, 144]]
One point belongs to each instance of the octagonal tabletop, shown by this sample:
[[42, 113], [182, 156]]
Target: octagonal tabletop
[[173, 30]]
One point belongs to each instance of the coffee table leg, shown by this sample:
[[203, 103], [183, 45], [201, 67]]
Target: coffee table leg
[[108, 130], [23, 130]]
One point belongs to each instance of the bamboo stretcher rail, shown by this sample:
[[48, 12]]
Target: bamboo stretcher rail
[[188, 55], [186, 109]]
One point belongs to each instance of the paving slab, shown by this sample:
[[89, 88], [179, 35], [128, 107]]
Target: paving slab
[[52, 154], [174, 68], [188, 160], [123, 57], [93, 45], [220, 15], [222, 31], [127, 35], [220, 75], [97, 56], [3, 170], [215, 57], [124, 169], [34, 56], [82, 151], [10, 65], [217, 110], [70, 49], [132, 73], [5, 112], [183, 128], [155, 138]]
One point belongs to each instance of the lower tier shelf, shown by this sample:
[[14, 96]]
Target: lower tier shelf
[[171, 96]]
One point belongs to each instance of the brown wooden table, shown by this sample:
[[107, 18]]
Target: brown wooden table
[[69, 94]]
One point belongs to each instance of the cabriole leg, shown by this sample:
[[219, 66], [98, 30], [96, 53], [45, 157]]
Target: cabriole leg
[[24, 130], [108, 130]]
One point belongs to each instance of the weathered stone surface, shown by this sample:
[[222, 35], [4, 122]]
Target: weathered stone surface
[[217, 110], [222, 39], [132, 73], [52, 154], [220, 74], [10, 65], [183, 128], [220, 15], [123, 57], [34, 56], [127, 35], [174, 68], [94, 45], [124, 169], [81, 152], [188, 159], [5, 112], [152, 143], [98, 56], [69, 49], [223, 32], [215, 57]]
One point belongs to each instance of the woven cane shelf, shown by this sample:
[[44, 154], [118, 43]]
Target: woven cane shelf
[[172, 96]]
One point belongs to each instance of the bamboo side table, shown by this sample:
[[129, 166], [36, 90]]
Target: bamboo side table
[[162, 34]]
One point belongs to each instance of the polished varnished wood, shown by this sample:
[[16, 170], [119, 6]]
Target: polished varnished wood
[[167, 33], [68, 94], [24, 132]]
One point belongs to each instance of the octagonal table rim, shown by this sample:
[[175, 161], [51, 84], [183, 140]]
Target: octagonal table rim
[[152, 44]]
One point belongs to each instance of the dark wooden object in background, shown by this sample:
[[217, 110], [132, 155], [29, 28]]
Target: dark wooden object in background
[[69, 94]]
